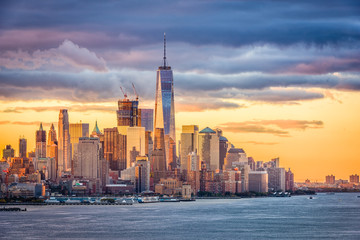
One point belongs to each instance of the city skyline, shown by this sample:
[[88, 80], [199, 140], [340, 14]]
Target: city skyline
[[291, 93]]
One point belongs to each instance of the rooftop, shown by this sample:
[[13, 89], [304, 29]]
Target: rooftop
[[207, 130]]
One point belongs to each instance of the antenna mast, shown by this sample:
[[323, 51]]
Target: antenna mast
[[164, 50]]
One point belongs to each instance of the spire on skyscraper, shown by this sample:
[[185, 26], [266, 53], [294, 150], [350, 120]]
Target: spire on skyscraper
[[41, 127], [164, 50]]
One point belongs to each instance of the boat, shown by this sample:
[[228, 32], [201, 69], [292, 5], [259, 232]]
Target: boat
[[310, 197], [169, 199], [52, 200], [148, 199]]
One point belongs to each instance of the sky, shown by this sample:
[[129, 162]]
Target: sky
[[280, 78]]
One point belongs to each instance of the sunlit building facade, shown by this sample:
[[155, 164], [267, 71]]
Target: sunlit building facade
[[22, 147], [64, 153], [40, 149], [164, 107]]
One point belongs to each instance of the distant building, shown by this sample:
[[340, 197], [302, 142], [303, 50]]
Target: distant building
[[330, 179], [209, 148], [128, 114], [77, 130], [64, 149], [289, 181], [189, 143], [8, 152], [258, 181], [40, 149], [234, 155], [147, 119], [115, 149], [22, 147], [223, 149], [354, 178]]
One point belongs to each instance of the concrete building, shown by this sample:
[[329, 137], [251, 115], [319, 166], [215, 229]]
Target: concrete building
[[135, 144], [22, 147], [128, 114], [258, 181], [192, 162], [115, 149], [235, 155], [64, 148], [245, 169], [158, 158], [209, 148], [189, 143], [142, 174], [276, 178], [223, 149]]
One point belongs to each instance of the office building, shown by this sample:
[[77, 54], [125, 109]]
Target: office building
[[77, 130], [22, 147], [189, 143], [165, 108], [128, 114], [209, 148], [64, 153], [40, 149]]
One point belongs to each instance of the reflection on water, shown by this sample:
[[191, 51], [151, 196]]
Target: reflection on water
[[324, 216]]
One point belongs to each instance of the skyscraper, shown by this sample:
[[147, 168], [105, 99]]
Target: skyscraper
[[52, 148], [189, 143], [77, 130], [40, 150], [128, 114], [209, 148], [164, 107], [64, 153], [22, 147]]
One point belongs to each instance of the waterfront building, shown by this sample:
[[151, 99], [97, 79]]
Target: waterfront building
[[64, 153], [147, 119], [251, 163], [258, 181], [142, 174], [135, 144], [276, 178], [40, 149], [289, 181], [244, 169], [192, 162], [22, 147], [47, 168], [189, 143], [232, 181], [354, 178], [8, 152], [330, 179], [209, 148], [165, 109]]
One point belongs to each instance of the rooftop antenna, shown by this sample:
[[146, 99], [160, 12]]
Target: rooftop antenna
[[164, 50], [136, 94], [125, 95]]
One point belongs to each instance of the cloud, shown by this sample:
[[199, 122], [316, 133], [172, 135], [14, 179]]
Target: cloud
[[261, 143], [67, 55], [72, 108], [199, 106], [279, 127], [37, 123]]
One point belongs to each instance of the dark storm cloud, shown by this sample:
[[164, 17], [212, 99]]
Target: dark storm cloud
[[133, 23]]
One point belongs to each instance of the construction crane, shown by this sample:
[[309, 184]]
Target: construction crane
[[125, 95], [137, 96]]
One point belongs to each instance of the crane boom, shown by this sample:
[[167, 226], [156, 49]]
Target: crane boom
[[125, 95], [136, 94]]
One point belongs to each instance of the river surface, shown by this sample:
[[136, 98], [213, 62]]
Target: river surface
[[325, 216]]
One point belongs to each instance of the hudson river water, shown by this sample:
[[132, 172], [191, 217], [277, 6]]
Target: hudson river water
[[325, 216]]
